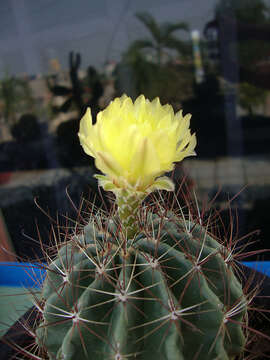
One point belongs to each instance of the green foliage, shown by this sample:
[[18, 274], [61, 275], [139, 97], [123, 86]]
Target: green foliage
[[16, 97], [171, 83], [251, 96], [168, 294]]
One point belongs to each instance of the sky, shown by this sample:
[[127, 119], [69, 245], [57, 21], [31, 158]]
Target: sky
[[34, 31]]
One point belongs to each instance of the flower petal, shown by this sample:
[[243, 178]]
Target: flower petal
[[145, 160], [134, 143], [86, 128], [107, 164], [163, 183]]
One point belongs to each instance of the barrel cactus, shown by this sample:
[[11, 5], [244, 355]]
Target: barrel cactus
[[145, 282]]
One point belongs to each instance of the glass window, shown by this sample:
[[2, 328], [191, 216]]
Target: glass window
[[209, 58]]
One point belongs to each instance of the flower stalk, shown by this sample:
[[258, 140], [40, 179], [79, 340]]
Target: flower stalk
[[128, 208]]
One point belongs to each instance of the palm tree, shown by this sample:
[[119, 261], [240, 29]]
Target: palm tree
[[158, 78], [162, 38]]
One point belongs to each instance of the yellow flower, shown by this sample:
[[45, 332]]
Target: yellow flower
[[135, 143]]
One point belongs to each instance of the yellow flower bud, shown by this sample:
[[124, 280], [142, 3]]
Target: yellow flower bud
[[135, 143]]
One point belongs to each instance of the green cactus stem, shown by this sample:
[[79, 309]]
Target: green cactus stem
[[170, 296]]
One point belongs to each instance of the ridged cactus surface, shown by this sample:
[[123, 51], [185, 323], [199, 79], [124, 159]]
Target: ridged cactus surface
[[167, 294]]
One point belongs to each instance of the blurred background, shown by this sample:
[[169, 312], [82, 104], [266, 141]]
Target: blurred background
[[210, 58]]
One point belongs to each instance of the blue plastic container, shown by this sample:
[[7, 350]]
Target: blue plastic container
[[21, 274], [32, 275], [261, 266]]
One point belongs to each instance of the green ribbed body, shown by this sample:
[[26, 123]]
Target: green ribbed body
[[167, 294]]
